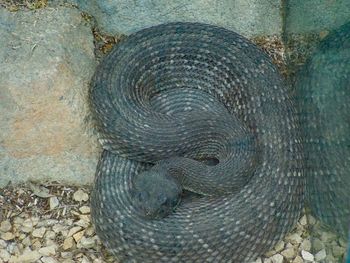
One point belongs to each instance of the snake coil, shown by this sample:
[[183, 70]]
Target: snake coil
[[176, 92]]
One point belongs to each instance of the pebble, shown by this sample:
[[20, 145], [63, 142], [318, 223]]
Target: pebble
[[278, 258], [80, 196], [298, 259], [53, 202], [39, 232], [279, 246], [5, 226], [294, 238], [3, 244], [77, 236], [86, 242], [320, 255], [317, 244], [307, 255], [84, 209], [7, 236], [288, 253], [303, 220], [338, 251], [48, 251], [68, 243], [74, 230], [306, 245], [28, 256], [4, 255], [27, 226], [48, 260]]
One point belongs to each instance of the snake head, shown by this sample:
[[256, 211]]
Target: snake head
[[155, 194]]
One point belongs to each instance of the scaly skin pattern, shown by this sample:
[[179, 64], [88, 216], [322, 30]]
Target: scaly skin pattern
[[323, 88], [192, 90]]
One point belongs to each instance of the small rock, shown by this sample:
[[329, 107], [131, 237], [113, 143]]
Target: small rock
[[298, 259], [84, 209], [320, 255], [48, 251], [303, 220], [77, 236], [7, 236], [59, 228], [85, 260], [288, 253], [338, 251], [68, 243], [5, 226], [90, 231], [80, 196], [18, 221], [35, 220], [330, 259], [85, 222], [39, 232], [4, 255], [270, 253], [48, 260], [343, 243], [86, 242], [279, 246], [28, 256], [13, 248], [53, 202], [27, 242], [68, 261], [3, 244], [306, 245], [36, 244], [307, 255], [66, 255], [278, 258], [317, 244], [50, 234], [27, 226], [74, 230], [294, 238], [258, 260], [21, 236]]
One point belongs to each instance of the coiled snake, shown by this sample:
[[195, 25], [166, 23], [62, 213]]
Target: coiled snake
[[176, 94]]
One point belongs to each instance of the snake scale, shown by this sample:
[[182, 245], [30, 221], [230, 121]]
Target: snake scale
[[323, 88], [195, 107]]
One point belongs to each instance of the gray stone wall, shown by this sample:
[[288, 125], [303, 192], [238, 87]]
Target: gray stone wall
[[247, 17], [46, 61]]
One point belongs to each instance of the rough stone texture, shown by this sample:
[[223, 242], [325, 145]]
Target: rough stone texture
[[247, 17], [316, 15], [46, 62]]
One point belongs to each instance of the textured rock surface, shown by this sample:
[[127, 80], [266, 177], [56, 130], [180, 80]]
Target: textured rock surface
[[46, 62], [248, 17], [316, 15]]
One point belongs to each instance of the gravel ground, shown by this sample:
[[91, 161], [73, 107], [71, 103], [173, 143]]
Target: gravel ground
[[51, 223]]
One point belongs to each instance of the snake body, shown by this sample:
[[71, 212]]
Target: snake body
[[170, 95], [323, 88]]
